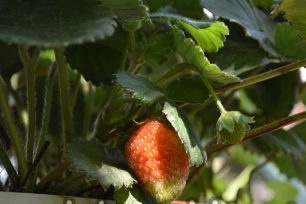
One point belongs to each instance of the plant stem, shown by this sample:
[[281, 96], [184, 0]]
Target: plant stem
[[261, 77], [69, 183], [47, 105], [13, 130], [5, 161], [36, 162], [75, 91], [64, 95], [257, 132], [30, 64], [88, 109], [133, 44], [53, 175], [173, 73], [213, 94]]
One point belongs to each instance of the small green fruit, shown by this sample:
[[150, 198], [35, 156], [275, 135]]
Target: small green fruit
[[231, 127]]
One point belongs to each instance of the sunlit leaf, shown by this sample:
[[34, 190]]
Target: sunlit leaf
[[194, 55], [288, 42], [186, 133], [210, 39], [294, 11], [257, 24]]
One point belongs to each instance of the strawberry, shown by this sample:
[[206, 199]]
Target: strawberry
[[158, 158]]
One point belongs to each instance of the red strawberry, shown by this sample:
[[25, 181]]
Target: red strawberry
[[158, 158]]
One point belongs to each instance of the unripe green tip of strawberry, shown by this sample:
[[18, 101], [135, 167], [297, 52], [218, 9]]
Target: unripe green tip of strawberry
[[231, 127], [158, 158]]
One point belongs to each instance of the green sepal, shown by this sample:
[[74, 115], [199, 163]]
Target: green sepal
[[231, 127]]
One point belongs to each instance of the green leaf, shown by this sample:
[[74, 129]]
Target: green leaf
[[253, 55], [275, 97], [127, 10], [97, 161], [288, 42], [141, 88], [186, 133], [257, 24], [263, 3], [157, 48], [210, 39], [54, 23], [197, 186], [96, 62], [231, 127], [294, 12], [187, 89], [133, 195], [281, 141], [284, 191], [194, 55], [190, 8]]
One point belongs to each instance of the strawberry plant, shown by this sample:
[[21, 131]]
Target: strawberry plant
[[153, 101]]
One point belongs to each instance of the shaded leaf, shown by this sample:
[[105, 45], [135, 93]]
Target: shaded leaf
[[257, 24], [176, 17], [157, 48], [263, 3], [141, 88], [132, 196], [54, 23], [187, 89], [97, 161], [96, 62], [294, 12], [189, 8], [198, 185], [194, 55], [281, 141], [288, 42], [186, 133], [238, 45], [127, 10], [211, 38], [275, 97]]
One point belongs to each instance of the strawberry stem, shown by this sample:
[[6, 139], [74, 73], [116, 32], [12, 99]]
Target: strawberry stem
[[261, 77], [213, 94], [257, 132]]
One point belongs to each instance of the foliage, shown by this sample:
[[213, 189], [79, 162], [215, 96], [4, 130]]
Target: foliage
[[77, 76]]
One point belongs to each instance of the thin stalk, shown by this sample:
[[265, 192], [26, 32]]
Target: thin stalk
[[30, 65], [5, 161], [133, 44], [13, 129], [53, 175], [36, 162], [261, 77], [213, 94], [260, 131], [133, 65], [64, 95], [75, 91], [69, 183], [172, 73], [88, 109], [47, 105]]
